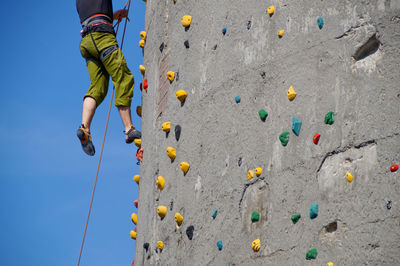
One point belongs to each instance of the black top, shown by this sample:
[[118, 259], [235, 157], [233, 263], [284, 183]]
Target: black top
[[88, 8]]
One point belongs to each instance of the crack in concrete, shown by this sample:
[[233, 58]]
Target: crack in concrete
[[246, 187]]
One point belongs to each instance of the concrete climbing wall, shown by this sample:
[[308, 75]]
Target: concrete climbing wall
[[351, 66]]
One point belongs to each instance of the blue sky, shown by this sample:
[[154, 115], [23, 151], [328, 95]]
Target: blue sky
[[45, 178]]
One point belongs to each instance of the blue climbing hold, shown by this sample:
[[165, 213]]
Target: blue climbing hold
[[237, 99], [214, 213], [219, 245], [296, 125], [313, 210], [320, 22], [224, 31]]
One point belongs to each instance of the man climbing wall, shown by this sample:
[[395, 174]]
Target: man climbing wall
[[103, 58]]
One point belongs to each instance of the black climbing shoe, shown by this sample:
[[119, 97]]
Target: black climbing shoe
[[86, 140], [132, 134]]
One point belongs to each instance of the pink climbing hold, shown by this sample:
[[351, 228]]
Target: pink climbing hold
[[394, 167], [316, 138]]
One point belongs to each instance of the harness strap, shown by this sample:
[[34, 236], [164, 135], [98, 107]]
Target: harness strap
[[95, 17]]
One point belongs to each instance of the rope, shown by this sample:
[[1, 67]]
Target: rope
[[128, 3]]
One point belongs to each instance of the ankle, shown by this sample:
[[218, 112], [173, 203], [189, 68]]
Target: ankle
[[128, 128]]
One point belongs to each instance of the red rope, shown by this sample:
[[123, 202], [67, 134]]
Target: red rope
[[102, 145]]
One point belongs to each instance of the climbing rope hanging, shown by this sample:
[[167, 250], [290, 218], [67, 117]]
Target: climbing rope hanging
[[127, 6]]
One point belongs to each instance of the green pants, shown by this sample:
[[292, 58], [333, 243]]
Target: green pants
[[113, 65]]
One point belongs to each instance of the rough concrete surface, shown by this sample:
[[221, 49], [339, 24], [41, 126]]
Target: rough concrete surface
[[351, 67]]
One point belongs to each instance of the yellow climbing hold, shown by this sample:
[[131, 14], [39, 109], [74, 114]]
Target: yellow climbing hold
[[171, 75], [258, 171], [166, 126], [329, 264], [143, 35], [136, 178], [181, 95], [255, 245], [142, 69], [160, 182], [171, 152], [291, 94], [185, 167], [270, 10], [349, 177], [133, 234], [281, 33], [138, 142], [141, 43], [186, 20], [160, 245], [139, 110], [134, 218], [178, 218], [162, 211], [250, 174]]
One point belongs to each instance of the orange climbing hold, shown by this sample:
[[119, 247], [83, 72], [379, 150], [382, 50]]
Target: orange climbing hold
[[136, 202]]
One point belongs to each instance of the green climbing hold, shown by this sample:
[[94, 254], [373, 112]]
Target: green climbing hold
[[284, 138], [214, 213], [263, 114], [312, 254], [329, 118], [296, 217], [255, 216]]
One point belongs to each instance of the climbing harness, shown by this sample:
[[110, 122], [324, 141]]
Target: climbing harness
[[127, 5]]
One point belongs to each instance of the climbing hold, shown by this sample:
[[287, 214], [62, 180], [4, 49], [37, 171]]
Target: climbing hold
[[189, 232], [281, 33], [258, 171], [143, 35], [313, 210], [139, 111], [177, 132], [255, 217], [160, 245], [329, 120], [142, 69], [181, 95], [295, 218], [133, 234], [291, 94], [214, 213], [296, 125], [394, 167], [186, 20], [349, 177], [311, 254], [248, 25], [263, 114], [146, 246], [145, 85], [255, 245], [250, 174], [284, 138], [136, 178], [141, 43], [171, 152], [138, 142], [160, 182], [237, 99], [329, 264], [186, 43], [178, 218], [171, 76], [134, 218], [320, 22], [219, 245], [270, 10], [316, 138], [162, 211], [166, 126], [185, 167], [224, 31], [389, 204], [136, 202]]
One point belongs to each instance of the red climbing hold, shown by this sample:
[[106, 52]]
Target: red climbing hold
[[145, 85], [133, 263], [139, 154], [136, 203], [135, 229], [394, 168], [316, 138]]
